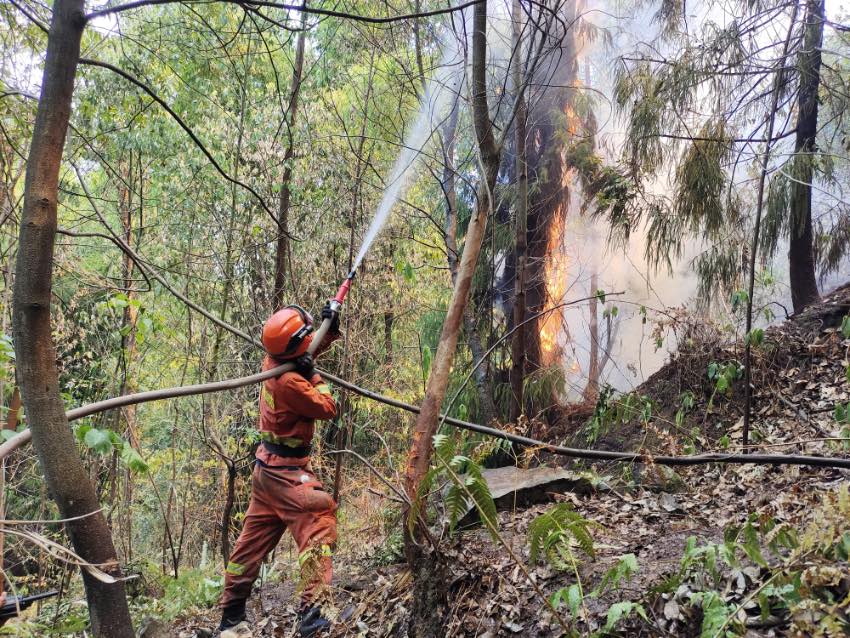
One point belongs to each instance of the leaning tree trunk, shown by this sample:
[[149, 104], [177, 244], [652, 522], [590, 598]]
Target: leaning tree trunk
[[801, 258], [429, 589], [487, 407], [54, 443]]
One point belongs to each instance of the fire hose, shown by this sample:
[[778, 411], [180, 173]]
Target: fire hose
[[24, 437]]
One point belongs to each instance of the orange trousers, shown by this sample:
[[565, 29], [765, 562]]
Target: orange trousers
[[284, 498]]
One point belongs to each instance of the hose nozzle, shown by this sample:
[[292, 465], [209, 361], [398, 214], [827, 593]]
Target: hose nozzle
[[336, 302]]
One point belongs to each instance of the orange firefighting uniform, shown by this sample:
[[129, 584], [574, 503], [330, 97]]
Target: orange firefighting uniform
[[285, 494]]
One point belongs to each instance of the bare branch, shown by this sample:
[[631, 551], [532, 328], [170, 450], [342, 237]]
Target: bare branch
[[290, 7], [191, 134]]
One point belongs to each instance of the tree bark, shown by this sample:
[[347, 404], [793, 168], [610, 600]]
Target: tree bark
[[429, 588], [548, 203], [591, 390], [517, 376], [54, 443], [283, 258], [419, 456], [481, 374], [801, 258]]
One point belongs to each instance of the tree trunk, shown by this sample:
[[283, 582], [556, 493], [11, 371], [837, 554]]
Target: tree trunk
[[481, 373], [389, 318], [517, 376], [227, 511], [548, 202], [801, 258], [429, 587], [283, 258], [54, 443], [591, 390]]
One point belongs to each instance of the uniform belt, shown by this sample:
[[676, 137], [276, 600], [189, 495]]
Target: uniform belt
[[285, 450], [290, 468]]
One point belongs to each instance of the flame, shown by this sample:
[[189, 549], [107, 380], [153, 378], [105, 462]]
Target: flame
[[556, 271], [573, 120], [557, 266]]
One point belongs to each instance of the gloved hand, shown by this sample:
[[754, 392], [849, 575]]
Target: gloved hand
[[328, 313], [304, 365]]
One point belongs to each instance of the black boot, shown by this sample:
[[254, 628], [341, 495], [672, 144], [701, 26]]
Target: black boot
[[232, 615], [312, 623]]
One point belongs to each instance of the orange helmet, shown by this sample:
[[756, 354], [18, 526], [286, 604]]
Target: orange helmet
[[287, 333]]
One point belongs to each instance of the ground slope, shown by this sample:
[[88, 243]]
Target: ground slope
[[800, 376]]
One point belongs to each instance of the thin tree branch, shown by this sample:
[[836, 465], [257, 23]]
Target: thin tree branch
[[191, 134], [290, 7]]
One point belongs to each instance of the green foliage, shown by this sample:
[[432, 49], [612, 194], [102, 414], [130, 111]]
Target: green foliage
[[391, 550], [798, 577], [686, 403], [574, 598], [426, 362], [623, 571], [620, 611], [7, 349], [105, 442], [570, 596], [724, 376], [193, 589], [542, 384], [715, 615], [467, 488], [700, 189], [754, 337], [608, 190], [554, 533], [611, 410]]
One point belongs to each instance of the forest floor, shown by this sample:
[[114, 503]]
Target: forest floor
[[800, 374]]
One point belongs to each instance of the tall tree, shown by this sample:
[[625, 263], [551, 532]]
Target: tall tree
[[801, 257], [548, 134], [426, 617], [54, 443], [518, 341], [283, 259]]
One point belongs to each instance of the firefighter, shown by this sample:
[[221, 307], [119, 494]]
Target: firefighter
[[285, 493]]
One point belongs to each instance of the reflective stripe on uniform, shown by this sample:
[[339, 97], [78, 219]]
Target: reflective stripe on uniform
[[267, 397], [314, 552], [323, 388], [288, 441], [235, 569]]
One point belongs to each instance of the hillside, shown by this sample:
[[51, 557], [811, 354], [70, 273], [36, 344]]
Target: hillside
[[710, 542]]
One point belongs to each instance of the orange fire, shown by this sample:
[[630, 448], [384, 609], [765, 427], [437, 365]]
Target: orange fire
[[573, 120], [557, 265], [556, 271]]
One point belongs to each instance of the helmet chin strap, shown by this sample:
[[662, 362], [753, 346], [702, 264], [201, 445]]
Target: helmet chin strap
[[302, 333]]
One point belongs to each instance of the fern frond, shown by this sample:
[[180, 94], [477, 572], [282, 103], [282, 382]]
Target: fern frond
[[467, 490], [456, 504], [553, 534]]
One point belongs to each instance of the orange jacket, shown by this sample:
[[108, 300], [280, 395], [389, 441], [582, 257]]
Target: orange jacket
[[289, 407]]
